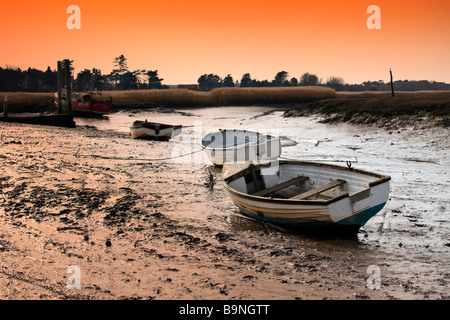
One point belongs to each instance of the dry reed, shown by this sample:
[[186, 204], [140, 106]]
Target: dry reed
[[189, 98], [40, 98], [221, 96], [275, 95]]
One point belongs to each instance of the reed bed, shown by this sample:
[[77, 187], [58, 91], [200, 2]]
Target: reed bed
[[159, 97], [277, 95], [39, 98], [29, 101], [178, 98], [220, 96]]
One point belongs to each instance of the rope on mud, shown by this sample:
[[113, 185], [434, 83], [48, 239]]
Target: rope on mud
[[321, 160], [189, 154], [135, 159]]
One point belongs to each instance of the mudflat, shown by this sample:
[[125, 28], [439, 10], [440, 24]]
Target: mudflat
[[139, 227]]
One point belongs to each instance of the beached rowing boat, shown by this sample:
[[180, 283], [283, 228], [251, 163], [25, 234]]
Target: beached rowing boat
[[153, 130], [240, 146], [306, 194]]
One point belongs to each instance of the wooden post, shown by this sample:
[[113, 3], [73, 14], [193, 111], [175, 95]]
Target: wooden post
[[68, 86], [59, 87], [5, 107], [392, 83]]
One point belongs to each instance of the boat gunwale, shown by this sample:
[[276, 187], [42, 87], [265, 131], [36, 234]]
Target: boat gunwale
[[382, 179], [254, 143], [141, 124]]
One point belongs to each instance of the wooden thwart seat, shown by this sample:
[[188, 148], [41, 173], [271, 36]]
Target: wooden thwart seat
[[315, 191], [280, 186]]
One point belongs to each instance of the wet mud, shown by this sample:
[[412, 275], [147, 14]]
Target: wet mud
[[141, 225]]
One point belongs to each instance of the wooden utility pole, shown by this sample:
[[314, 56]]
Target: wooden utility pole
[[5, 107], [59, 87], [392, 83], [68, 86]]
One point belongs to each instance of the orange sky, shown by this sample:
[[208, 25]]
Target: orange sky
[[184, 39]]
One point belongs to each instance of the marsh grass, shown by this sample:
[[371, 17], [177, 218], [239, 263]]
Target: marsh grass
[[159, 97], [178, 98], [29, 101], [409, 103], [220, 96], [368, 107], [40, 98], [276, 95]]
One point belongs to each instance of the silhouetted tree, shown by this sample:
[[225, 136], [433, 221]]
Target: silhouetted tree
[[33, 80], [294, 82], [50, 79], [281, 79], [84, 81], [209, 82], [246, 80], [154, 82], [228, 81], [337, 83], [97, 79], [121, 65], [130, 80], [308, 79]]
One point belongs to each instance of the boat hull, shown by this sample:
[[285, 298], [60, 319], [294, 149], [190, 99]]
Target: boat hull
[[358, 220], [362, 197], [91, 108], [240, 146], [153, 131], [85, 106]]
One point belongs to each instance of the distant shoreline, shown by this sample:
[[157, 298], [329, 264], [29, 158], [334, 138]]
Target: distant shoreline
[[425, 108]]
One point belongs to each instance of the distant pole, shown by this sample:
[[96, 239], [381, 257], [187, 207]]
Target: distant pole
[[392, 83], [59, 87], [68, 86], [5, 107]]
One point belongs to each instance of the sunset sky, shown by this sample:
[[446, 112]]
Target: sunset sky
[[184, 39]]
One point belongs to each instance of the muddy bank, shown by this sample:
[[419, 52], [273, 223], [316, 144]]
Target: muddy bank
[[142, 228], [420, 109]]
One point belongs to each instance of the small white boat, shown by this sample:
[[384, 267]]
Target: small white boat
[[296, 194], [153, 130], [240, 146]]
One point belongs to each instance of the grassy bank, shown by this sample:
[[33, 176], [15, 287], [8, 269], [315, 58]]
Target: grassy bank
[[380, 108], [376, 108], [29, 101], [179, 98]]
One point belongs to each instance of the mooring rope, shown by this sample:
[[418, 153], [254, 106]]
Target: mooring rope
[[135, 159], [321, 160]]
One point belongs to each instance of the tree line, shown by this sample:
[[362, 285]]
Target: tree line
[[14, 79], [211, 81]]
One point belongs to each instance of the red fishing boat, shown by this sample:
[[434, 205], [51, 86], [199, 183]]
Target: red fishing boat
[[84, 104]]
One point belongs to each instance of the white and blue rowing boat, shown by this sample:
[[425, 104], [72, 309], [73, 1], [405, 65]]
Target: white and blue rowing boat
[[296, 194]]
